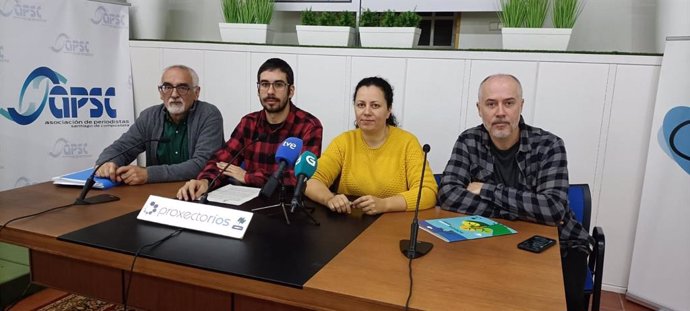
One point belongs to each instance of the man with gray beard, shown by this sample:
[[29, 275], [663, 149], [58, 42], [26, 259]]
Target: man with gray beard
[[194, 129]]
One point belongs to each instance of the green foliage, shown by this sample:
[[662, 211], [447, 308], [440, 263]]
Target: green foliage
[[512, 13], [389, 19], [535, 13], [311, 18], [409, 19], [369, 19], [347, 19], [247, 11], [566, 12]]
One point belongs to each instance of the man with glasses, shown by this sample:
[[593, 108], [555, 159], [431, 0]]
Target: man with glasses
[[193, 128], [259, 134]]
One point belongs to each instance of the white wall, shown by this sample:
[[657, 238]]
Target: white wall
[[604, 25], [601, 105]]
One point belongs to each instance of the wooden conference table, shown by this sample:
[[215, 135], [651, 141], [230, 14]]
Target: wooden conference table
[[368, 274]]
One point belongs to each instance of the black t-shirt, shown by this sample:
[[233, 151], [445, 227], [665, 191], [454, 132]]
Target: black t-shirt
[[505, 166]]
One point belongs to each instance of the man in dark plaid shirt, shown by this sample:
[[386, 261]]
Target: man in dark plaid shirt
[[261, 132], [508, 169]]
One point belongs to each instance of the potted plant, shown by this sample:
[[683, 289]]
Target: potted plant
[[523, 22], [326, 28], [389, 29], [246, 21]]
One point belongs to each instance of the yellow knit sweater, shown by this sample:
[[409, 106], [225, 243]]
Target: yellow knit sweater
[[393, 168]]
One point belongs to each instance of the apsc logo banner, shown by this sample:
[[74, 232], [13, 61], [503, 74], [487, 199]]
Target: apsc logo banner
[[46, 87], [102, 16], [22, 10]]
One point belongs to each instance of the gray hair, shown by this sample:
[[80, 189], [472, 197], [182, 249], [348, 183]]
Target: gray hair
[[500, 75], [195, 77]]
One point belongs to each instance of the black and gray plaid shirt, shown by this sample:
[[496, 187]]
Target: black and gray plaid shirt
[[542, 192]]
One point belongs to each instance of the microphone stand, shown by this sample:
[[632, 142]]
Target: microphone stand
[[281, 201], [203, 199], [300, 205], [412, 248], [88, 184]]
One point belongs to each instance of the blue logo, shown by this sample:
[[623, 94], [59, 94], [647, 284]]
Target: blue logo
[[64, 102], [64, 44], [674, 136], [17, 9], [67, 149], [102, 17]]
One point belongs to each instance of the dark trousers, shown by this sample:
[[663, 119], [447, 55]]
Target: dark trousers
[[574, 264]]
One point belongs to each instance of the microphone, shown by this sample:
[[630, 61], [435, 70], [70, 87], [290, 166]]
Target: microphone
[[411, 248], [304, 169], [203, 199], [286, 155], [103, 198]]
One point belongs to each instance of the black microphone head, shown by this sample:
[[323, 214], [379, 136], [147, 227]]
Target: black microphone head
[[426, 148], [163, 140]]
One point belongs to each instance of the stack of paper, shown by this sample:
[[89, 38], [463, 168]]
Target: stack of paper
[[234, 195]]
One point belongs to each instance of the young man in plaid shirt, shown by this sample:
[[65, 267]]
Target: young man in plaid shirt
[[261, 132], [508, 169]]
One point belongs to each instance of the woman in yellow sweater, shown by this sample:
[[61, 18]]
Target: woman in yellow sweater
[[378, 162]]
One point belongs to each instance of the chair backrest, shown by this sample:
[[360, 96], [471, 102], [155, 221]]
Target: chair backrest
[[438, 179], [580, 201]]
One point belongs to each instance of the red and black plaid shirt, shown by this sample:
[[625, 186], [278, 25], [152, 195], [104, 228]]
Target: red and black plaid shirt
[[259, 158]]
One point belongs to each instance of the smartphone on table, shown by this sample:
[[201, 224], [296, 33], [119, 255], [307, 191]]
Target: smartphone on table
[[536, 244]]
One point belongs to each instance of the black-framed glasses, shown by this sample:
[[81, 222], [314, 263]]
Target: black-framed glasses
[[277, 85], [167, 88]]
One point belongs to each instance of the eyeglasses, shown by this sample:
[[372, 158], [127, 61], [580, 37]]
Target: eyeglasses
[[167, 89], [277, 85]]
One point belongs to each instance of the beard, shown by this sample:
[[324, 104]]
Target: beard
[[175, 107], [282, 105]]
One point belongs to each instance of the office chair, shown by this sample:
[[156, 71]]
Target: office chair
[[580, 202], [438, 179]]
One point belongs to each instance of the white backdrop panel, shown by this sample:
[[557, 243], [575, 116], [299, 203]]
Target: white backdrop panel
[[433, 105], [320, 81], [569, 103], [146, 76], [626, 152], [226, 85]]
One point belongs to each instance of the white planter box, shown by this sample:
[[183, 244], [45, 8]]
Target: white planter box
[[245, 33], [395, 37], [325, 35], [553, 39]]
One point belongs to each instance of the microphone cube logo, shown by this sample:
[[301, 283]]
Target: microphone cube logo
[[290, 145]]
